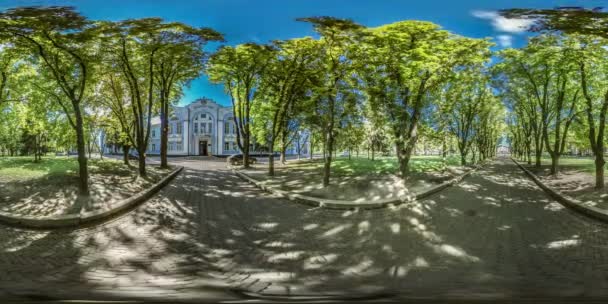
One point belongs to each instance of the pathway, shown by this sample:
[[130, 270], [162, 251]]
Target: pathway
[[493, 236]]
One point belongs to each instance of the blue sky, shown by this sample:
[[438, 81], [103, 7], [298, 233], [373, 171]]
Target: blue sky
[[265, 20]]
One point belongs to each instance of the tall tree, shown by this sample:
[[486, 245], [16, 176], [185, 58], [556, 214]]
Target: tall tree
[[592, 24], [401, 63], [467, 96], [180, 59], [332, 91], [61, 40], [239, 69], [284, 83]]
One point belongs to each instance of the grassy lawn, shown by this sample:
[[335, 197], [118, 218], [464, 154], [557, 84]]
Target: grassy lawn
[[381, 165], [50, 186], [20, 169], [359, 179], [585, 164]]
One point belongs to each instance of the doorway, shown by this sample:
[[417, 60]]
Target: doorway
[[202, 148]]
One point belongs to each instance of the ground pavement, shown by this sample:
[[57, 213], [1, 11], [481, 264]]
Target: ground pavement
[[209, 235]]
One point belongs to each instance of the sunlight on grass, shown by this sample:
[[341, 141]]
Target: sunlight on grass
[[24, 168], [381, 165], [585, 164]]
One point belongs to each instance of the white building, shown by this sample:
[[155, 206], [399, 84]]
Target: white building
[[200, 128]]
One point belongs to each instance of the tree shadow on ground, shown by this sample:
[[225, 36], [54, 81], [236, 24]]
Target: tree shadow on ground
[[57, 193], [493, 236], [574, 181]]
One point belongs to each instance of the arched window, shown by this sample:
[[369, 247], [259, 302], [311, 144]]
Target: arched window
[[229, 127]]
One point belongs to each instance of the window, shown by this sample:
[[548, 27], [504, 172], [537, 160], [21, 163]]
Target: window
[[179, 128], [195, 128], [153, 134], [153, 147], [169, 129], [179, 147], [226, 146], [226, 128], [209, 128], [203, 128], [203, 116]]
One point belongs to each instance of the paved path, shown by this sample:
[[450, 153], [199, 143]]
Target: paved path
[[494, 236]]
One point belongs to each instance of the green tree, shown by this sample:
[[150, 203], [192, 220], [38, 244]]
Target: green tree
[[180, 59], [283, 85], [332, 93], [591, 24], [467, 95], [239, 69], [404, 61], [546, 71], [61, 40]]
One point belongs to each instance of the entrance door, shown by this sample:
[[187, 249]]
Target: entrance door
[[202, 148]]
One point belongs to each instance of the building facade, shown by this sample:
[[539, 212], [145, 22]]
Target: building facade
[[204, 128]]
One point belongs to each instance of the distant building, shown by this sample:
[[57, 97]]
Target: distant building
[[503, 150], [203, 127]]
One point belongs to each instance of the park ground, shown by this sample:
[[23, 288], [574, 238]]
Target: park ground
[[210, 236], [576, 178], [50, 186], [358, 179]]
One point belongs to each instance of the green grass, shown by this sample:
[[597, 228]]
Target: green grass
[[381, 165], [585, 164], [24, 168]]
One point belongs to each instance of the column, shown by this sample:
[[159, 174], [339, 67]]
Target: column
[[185, 137]]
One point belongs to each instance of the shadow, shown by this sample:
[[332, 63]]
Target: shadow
[[574, 179], [208, 232], [357, 179], [50, 187]]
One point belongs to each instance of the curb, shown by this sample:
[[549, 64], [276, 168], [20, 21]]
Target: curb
[[76, 220], [565, 200], [344, 204]]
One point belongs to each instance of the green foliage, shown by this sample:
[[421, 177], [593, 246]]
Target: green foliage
[[571, 20]]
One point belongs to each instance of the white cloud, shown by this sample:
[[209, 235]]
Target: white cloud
[[503, 24], [485, 14], [505, 40]]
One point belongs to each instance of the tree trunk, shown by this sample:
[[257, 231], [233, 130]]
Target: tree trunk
[[538, 155], [164, 135], [141, 159], [403, 163], [311, 147], [373, 152], [125, 154], [283, 156], [554, 163], [270, 159], [327, 165], [246, 151], [82, 158], [444, 149], [463, 159], [473, 156], [599, 170], [101, 146]]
